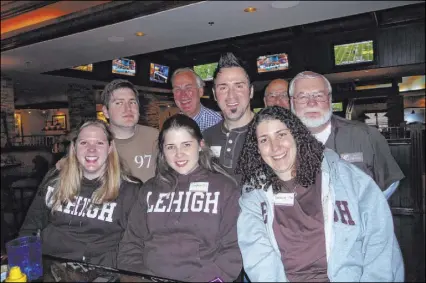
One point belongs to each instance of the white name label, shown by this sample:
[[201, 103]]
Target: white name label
[[352, 157], [199, 187], [286, 199], [216, 150]]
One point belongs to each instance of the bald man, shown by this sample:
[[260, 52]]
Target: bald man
[[276, 93]]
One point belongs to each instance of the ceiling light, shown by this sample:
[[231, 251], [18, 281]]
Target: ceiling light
[[250, 10], [284, 4], [139, 33]]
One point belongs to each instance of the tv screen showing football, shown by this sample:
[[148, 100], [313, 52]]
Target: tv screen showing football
[[205, 71], [270, 63], [124, 66], [158, 73], [337, 106], [353, 53]]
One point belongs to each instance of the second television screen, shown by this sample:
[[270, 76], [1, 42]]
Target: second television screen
[[124, 66], [270, 63], [158, 73], [354, 53]]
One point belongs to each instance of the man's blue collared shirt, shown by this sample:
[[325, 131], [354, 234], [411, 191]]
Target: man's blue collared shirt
[[207, 118]]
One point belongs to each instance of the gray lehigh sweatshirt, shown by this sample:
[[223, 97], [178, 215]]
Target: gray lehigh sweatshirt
[[188, 233]]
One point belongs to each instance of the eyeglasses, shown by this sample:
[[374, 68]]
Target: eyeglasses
[[317, 96], [277, 95], [185, 89]]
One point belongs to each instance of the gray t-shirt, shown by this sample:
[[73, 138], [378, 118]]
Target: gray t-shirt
[[139, 152]]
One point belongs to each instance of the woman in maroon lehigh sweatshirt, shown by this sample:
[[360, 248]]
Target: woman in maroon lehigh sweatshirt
[[183, 225]]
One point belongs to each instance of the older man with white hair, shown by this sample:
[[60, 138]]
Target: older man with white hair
[[188, 88], [364, 146]]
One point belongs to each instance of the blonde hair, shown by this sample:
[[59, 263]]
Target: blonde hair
[[68, 182]]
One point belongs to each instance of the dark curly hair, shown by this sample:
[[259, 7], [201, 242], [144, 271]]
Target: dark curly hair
[[257, 174]]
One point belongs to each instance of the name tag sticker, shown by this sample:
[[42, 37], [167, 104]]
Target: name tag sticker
[[285, 199], [352, 157], [216, 150], [199, 187]]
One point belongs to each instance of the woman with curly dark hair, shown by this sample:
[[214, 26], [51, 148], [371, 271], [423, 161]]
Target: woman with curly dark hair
[[307, 215]]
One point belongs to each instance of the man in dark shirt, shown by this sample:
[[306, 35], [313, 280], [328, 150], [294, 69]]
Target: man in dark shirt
[[358, 143], [232, 90]]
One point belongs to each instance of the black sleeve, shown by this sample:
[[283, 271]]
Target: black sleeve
[[132, 192], [131, 246], [38, 213]]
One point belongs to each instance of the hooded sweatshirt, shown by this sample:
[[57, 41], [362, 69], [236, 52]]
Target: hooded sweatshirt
[[80, 231], [187, 233]]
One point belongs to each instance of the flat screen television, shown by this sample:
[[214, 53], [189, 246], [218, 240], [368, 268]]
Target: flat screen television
[[354, 53], [123, 66], [206, 71], [85, 68], [158, 73], [270, 63], [337, 106]]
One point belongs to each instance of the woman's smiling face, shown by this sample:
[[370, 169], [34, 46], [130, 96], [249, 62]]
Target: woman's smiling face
[[277, 147]]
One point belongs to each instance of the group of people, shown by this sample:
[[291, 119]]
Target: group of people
[[282, 195]]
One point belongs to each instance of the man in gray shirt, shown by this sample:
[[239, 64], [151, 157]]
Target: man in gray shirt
[[358, 143]]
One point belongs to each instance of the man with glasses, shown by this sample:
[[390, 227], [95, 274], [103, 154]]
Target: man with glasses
[[358, 143], [276, 93], [232, 90], [188, 88]]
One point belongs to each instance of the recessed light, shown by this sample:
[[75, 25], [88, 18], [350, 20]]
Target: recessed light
[[139, 33], [284, 4], [116, 39], [250, 10]]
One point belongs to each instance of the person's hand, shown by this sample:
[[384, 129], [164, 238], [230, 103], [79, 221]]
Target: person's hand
[[60, 163]]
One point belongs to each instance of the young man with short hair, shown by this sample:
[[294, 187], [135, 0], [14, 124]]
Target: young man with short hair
[[136, 144]]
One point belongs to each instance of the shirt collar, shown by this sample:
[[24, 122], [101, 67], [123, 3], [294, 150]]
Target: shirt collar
[[198, 116], [239, 130]]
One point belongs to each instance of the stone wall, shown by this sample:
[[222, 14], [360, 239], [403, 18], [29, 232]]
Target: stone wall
[[81, 104], [7, 110]]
